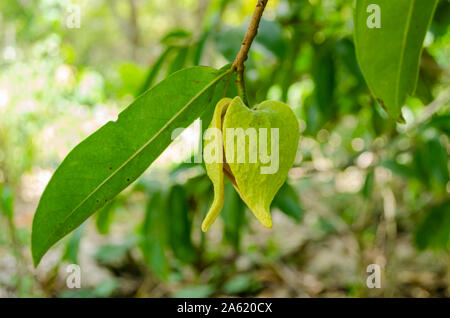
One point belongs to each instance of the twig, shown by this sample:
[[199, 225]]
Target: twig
[[242, 56]]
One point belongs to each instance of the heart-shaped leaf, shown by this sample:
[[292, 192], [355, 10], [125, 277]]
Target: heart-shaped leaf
[[260, 148]]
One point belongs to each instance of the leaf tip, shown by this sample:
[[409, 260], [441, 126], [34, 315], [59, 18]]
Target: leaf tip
[[268, 224], [37, 250], [36, 255], [265, 218], [205, 227]]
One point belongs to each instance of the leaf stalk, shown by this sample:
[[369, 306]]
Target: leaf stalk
[[252, 31]]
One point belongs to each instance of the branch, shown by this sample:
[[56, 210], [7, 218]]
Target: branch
[[242, 56]]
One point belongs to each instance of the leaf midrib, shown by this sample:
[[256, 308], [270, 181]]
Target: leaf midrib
[[218, 78]]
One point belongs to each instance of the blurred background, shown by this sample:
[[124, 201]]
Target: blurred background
[[363, 190]]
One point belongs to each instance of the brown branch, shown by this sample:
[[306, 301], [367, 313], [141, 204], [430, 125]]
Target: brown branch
[[242, 56]]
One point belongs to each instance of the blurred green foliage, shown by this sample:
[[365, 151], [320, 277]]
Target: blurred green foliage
[[359, 178]]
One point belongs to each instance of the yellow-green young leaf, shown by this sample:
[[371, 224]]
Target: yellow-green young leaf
[[213, 154], [114, 156], [389, 36], [260, 147]]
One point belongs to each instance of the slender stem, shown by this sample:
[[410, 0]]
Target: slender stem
[[240, 83], [242, 56]]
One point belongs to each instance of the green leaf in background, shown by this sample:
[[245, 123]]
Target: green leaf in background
[[368, 186], [270, 36], [73, 245], [154, 70], [113, 157], [176, 36], [379, 120], [233, 215], [325, 81], [441, 19], [131, 76], [440, 122], [424, 89], [104, 289], [439, 162], [154, 236], [7, 202], [200, 46], [104, 217], [402, 170], [345, 50], [313, 119], [430, 161], [179, 60], [241, 283], [287, 202], [389, 55], [179, 225], [195, 292], [433, 231], [429, 76], [110, 254], [226, 40]]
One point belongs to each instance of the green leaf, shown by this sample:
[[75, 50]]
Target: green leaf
[[424, 90], [131, 76], [433, 231], [73, 245], [440, 122], [399, 169], [113, 254], [176, 36], [194, 292], [313, 119], [200, 46], [389, 55], [429, 76], [113, 157], [179, 60], [345, 50], [441, 19], [270, 36], [287, 202], [104, 215], [154, 236], [179, 225], [240, 284], [367, 189], [233, 215], [430, 159], [153, 72], [7, 202], [226, 40], [325, 81]]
